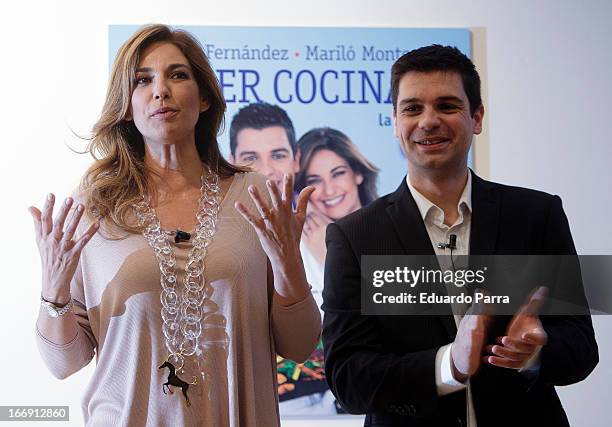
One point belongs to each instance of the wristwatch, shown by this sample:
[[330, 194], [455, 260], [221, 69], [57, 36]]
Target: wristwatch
[[54, 310]]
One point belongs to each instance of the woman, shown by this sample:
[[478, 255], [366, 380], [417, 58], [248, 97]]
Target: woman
[[229, 297], [344, 181]]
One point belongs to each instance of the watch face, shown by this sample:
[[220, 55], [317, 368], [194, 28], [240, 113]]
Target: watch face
[[52, 312]]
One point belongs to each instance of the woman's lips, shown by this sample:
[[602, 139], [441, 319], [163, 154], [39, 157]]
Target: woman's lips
[[164, 113], [334, 201]]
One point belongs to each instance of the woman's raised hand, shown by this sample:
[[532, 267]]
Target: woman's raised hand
[[278, 226], [59, 250]]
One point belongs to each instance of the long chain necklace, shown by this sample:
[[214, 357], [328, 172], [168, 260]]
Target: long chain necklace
[[182, 309]]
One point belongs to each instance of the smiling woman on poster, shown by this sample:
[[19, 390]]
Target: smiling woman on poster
[[344, 181], [160, 205]]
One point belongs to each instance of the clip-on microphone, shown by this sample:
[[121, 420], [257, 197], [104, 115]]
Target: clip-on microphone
[[452, 243], [181, 236]]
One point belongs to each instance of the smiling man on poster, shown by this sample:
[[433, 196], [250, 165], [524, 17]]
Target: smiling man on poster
[[262, 137], [462, 370]]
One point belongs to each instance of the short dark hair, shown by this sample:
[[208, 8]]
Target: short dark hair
[[259, 116], [438, 58], [333, 140]]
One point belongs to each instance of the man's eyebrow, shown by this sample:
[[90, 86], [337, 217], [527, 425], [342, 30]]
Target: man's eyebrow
[[409, 101], [450, 98], [441, 98], [171, 67], [280, 150], [247, 153]]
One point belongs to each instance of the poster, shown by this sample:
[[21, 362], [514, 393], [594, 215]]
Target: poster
[[314, 102]]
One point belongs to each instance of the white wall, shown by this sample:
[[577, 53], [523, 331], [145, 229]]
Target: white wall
[[546, 63]]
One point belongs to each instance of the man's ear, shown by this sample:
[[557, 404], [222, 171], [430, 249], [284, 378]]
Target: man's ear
[[477, 119]]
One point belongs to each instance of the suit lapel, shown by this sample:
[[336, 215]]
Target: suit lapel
[[407, 221], [485, 217], [411, 231]]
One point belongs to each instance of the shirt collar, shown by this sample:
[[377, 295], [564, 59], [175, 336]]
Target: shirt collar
[[425, 205]]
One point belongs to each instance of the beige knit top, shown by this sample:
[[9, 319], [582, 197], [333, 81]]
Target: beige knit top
[[117, 304]]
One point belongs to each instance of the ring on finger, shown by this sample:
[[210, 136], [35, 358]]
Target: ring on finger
[[265, 214]]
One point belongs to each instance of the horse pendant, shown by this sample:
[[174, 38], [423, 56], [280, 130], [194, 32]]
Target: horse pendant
[[174, 380]]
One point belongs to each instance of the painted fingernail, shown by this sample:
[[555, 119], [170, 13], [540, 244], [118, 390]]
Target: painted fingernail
[[68, 200], [50, 196], [79, 208]]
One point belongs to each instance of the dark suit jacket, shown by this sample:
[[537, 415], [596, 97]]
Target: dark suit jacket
[[384, 366]]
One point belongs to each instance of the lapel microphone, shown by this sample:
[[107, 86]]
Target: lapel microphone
[[181, 236], [452, 243]]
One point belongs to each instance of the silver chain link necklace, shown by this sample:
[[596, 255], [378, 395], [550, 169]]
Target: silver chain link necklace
[[182, 309]]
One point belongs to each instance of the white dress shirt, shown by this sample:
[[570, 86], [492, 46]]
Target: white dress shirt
[[438, 232]]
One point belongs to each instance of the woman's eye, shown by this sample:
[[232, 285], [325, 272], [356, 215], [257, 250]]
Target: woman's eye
[[312, 181], [179, 75], [143, 80], [338, 173]]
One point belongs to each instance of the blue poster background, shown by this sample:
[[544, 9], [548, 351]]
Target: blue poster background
[[312, 74]]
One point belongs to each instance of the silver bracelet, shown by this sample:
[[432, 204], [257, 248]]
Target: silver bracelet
[[54, 310]]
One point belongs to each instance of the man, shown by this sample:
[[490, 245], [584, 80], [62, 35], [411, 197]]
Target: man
[[262, 137], [439, 370]]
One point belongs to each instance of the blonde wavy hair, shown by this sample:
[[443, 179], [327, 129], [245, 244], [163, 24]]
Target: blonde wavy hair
[[118, 176]]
